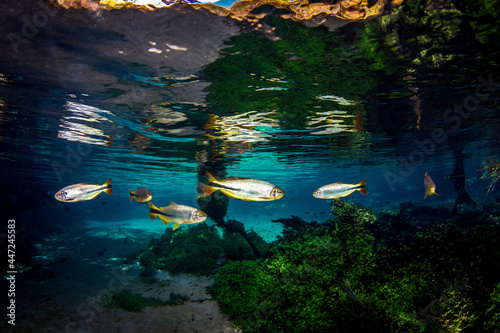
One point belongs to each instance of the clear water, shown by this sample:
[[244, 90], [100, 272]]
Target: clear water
[[90, 97]]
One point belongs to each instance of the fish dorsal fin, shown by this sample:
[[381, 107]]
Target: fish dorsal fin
[[173, 203], [237, 178], [82, 184], [338, 183]]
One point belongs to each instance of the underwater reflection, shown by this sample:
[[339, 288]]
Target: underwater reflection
[[86, 125], [246, 127]]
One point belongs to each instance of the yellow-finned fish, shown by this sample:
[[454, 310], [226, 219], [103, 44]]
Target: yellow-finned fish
[[83, 191], [339, 190], [178, 214], [430, 187], [241, 188], [141, 195]]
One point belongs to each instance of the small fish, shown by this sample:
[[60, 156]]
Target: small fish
[[83, 191], [430, 187], [178, 214], [241, 188], [141, 195], [339, 190]]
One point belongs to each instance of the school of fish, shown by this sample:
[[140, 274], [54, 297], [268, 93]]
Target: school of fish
[[241, 188]]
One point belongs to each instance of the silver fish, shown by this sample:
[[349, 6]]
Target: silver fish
[[339, 190], [241, 188], [178, 214], [83, 191]]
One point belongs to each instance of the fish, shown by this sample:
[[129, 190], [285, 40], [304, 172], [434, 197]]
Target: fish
[[246, 189], [177, 214], [430, 187], [83, 192], [339, 190], [141, 195]]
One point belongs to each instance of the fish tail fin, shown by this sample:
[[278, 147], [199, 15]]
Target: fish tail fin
[[362, 187], [210, 177], [204, 190], [109, 190], [152, 208], [131, 195]]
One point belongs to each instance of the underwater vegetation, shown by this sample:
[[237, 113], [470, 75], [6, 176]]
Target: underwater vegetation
[[418, 270], [432, 34], [195, 250], [131, 302]]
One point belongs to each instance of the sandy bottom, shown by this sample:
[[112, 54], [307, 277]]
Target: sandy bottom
[[76, 269]]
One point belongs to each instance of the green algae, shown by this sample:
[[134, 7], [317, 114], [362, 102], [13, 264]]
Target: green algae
[[195, 250], [369, 272], [131, 302]]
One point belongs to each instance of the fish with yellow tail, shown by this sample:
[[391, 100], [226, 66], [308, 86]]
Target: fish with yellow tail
[[141, 195], [430, 187], [339, 190], [247, 189], [83, 192], [177, 214]]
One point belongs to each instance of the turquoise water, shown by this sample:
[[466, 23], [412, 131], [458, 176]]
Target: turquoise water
[[156, 99]]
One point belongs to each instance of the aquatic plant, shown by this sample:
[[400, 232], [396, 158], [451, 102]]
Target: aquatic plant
[[191, 250], [354, 273], [432, 34], [128, 301], [493, 310], [195, 250]]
